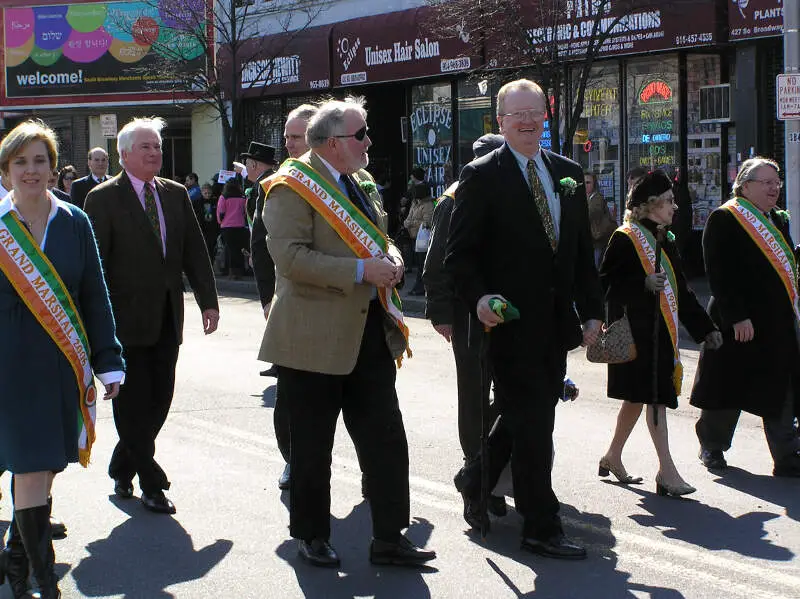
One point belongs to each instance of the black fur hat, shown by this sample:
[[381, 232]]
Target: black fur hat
[[653, 184]]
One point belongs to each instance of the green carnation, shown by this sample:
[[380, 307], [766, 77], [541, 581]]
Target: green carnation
[[368, 186], [568, 186]]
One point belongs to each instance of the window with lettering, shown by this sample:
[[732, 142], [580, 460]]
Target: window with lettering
[[475, 116], [654, 114], [596, 144], [431, 123]]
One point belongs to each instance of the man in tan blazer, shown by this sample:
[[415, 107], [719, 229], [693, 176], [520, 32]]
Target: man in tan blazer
[[335, 345], [148, 237]]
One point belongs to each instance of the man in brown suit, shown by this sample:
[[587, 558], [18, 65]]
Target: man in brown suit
[[324, 292], [148, 236]]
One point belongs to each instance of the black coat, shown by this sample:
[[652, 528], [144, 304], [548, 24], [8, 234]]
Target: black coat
[[80, 189], [622, 277], [497, 244], [755, 376], [263, 265]]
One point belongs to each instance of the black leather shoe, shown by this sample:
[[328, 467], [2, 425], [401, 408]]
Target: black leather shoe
[[58, 528], [558, 547], [472, 513], [271, 371], [158, 502], [713, 459], [318, 552], [400, 553], [497, 506], [285, 478], [123, 489]]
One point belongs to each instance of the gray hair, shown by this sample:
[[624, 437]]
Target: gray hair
[[128, 133], [329, 118], [747, 172], [303, 112]]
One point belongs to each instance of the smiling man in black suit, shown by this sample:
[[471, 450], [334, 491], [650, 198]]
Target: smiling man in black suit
[[97, 161], [520, 231]]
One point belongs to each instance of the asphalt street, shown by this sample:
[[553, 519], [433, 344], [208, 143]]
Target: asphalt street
[[737, 537]]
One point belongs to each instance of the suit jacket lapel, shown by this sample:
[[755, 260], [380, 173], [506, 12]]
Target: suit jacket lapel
[[131, 204], [170, 218]]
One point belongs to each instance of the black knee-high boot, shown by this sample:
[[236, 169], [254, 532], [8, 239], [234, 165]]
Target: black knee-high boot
[[34, 528], [13, 559]]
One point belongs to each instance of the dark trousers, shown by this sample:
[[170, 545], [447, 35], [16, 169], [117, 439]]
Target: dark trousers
[[715, 430], [236, 239], [368, 402], [280, 418], [472, 390], [141, 409], [527, 394]]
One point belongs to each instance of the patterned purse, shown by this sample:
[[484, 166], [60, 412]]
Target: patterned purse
[[615, 343]]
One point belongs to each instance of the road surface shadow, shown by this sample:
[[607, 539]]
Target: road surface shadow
[[710, 527], [776, 490], [560, 579], [356, 577], [143, 556]]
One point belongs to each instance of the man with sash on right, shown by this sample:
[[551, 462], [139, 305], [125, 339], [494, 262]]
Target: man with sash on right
[[752, 272], [335, 330]]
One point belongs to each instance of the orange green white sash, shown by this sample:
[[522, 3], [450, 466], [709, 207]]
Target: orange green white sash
[[356, 230], [41, 289], [450, 192], [770, 241], [645, 245]]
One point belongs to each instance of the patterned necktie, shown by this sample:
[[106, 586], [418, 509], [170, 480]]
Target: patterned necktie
[[151, 209], [356, 198], [540, 197]]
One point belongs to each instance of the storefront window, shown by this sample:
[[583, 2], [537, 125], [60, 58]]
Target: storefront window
[[431, 122], [704, 148], [475, 116], [262, 120], [654, 114], [596, 144]]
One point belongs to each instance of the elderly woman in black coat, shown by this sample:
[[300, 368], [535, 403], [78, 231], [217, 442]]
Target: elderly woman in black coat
[[633, 287], [752, 271]]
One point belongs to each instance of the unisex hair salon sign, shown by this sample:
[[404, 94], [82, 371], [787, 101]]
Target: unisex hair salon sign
[[393, 47]]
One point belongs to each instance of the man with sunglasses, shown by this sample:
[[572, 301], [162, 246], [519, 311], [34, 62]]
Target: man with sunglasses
[[97, 161], [519, 231], [335, 333]]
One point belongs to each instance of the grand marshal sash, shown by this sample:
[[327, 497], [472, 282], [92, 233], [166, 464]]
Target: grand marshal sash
[[356, 230], [770, 241], [645, 245], [41, 289], [450, 192]]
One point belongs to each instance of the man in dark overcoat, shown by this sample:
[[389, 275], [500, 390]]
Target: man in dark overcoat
[[755, 368], [520, 231]]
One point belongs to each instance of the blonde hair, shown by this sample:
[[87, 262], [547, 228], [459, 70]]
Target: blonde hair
[[637, 213], [22, 135], [747, 172], [514, 86]]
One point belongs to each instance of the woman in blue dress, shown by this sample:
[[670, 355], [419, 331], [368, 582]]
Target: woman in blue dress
[[45, 394]]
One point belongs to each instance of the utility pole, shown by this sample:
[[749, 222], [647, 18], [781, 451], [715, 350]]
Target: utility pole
[[791, 65]]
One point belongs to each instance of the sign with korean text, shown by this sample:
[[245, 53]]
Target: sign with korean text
[[100, 48], [787, 95], [749, 19]]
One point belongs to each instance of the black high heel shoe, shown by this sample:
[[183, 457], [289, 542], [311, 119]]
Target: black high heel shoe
[[606, 467]]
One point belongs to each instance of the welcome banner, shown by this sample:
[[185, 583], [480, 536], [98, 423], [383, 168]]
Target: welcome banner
[[101, 48]]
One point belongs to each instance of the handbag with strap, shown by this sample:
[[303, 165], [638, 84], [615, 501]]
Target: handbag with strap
[[615, 343]]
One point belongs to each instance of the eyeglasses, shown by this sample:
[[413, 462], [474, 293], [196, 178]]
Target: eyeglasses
[[769, 182], [68, 178], [358, 135], [525, 115]]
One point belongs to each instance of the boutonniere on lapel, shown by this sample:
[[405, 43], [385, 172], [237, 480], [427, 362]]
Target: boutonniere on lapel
[[567, 187], [671, 236], [368, 186], [783, 216]]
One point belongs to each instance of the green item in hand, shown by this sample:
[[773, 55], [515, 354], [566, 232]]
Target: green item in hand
[[504, 310]]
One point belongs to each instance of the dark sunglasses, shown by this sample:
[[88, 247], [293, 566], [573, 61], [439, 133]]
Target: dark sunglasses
[[358, 135]]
